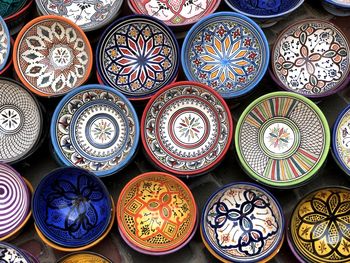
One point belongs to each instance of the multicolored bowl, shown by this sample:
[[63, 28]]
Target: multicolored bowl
[[5, 44], [242, 222], [12, 254], [186, 128], [226, 51], [137, 55], [156, 213], [84, 257], [282, 139], [311, 57], [337, 7], [52, 56], [318, 230], [95, 128]]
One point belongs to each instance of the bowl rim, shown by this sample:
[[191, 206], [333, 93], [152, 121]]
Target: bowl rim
[[233, 15], [38, 20], [65, 257], [67, 98], [337, 4], [8, 42], [20, 12], [273, 250], [109, 30], [281, 184], [17, 249], [229, 138]]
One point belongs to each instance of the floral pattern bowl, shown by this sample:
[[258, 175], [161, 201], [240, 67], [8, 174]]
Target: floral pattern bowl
[[282, 139], [242, 222], [84, 257], [226, 51], [11, 254], [5, 44], [337, 7], [156, 213], [311, 57]]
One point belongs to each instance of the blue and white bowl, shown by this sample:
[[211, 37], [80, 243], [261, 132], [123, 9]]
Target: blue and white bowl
[[4, 43], [12, 254], [337, 7]]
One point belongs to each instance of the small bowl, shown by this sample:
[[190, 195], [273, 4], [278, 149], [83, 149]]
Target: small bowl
[[226, 51], [186, 128], [72, 209], [84, 257], [156, 213], [318, 230], [242, 222], [95, 128], [48, 62], [12, 254], [311, 57], [17, 20], [137, 55], [5, 44], [282, 139], [337, 7]]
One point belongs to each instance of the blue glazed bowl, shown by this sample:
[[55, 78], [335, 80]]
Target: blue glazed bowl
[[226, 51], [71, 207], [337, 7]]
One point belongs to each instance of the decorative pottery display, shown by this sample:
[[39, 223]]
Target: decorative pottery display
[[84, 257], [242, 222], [88, 15], [318, 230], [8, 8], [186, 128], [175, 13], [156, 213], [337, 7], [4, 44], [17, 20], [52, 56], [20, 122], [95, 128], [226, 51], [137, 55], [282, 139], [311, 58], [12, 254]]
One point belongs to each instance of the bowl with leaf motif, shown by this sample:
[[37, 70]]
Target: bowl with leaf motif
[[337, 7], [12, 254], [84, 257]]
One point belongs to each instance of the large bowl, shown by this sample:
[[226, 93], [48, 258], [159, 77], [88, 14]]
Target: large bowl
[[52, 56], [226, 51], [72, 208], [242, 222], [5, 44], [311, 57], [84, 257], [282, 139], [337, 7], [12, 254]]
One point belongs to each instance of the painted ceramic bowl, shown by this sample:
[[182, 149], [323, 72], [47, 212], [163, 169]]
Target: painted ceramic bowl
[[4, 44], [175, 13], [226, 51], [242, 222], [52, 56], [17, 20], [95, 128], [88, 15], [318, 229], [311, 58], [156, 213], [12, 254], [137, 55], [186, 128], [71, 207], [337, 7], [8, 8], [20, 122], [84, 257], [282, 139], [5, 70]]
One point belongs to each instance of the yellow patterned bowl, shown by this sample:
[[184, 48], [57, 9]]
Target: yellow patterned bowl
[[84, 257]]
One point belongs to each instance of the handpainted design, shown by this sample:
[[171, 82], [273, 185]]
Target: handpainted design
[[84, 257], [342, 139], [9, 253], [8, 8], [190, 128], [311, 58], [4, 43], [10, 119], [319, 226], [278, 137]]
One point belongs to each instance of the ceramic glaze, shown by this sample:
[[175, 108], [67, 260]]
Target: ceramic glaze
[[84, 257], [12, 254], [4, 44]]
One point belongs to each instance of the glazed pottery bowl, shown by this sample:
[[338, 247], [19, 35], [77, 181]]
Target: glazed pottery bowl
[[5, 71], [12, 254], [84, 257], [318, 230], [226, 51], [175, 13], [337, 7], [186, 128], [20, 122], [137, 55], [95, 128], [5, 44], [16, 21], [52, 56], [242, 222], [282, 139], [71, 208], [156, 213], [88, 15], [311, 58]]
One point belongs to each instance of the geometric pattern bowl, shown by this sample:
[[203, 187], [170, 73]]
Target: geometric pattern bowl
[[282, 139], [4, 44], [12, 254]]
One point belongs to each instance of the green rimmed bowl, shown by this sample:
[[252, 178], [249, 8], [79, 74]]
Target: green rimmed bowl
[[282, 139]]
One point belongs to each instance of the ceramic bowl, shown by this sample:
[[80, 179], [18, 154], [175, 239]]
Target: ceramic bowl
[[84, 257], [137, 55], [311, 58], [186, 128], [12, 254], [175, 13], [282, 139], [71, 207], [337, 7], [318, 229], [242, 222], [156, 213], [226, 51], [88, 15], [5, 71], [95, 128], [17, 20], [5, 44], [21, 122], [52, 56], [8, 8]]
